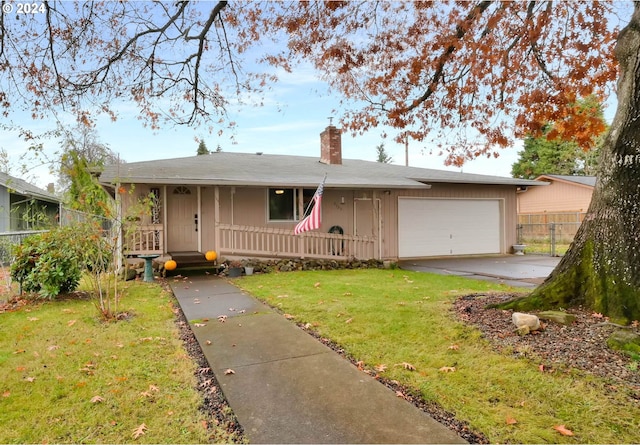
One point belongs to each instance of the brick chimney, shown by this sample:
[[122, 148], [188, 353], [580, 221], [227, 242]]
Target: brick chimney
[[331, 146]]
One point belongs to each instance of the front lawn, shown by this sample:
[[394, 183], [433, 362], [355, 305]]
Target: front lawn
[[68, 377], [400, 325]]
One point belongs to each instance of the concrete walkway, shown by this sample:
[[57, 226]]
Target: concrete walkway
[[286, 387]]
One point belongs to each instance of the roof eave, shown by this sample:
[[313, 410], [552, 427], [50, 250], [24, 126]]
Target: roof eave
[[236, 183]]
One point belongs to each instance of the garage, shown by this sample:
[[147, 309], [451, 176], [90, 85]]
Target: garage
[[442, 227]]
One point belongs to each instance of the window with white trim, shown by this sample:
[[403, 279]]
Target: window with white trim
[[284, 203]]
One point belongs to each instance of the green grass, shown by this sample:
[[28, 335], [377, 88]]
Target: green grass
[[392, 317], [535, 247], [68, 377]]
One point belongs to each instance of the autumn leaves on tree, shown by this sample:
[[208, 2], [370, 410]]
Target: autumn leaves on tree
[[469, 77]]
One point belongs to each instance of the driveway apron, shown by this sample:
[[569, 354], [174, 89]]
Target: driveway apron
[[283, 385]]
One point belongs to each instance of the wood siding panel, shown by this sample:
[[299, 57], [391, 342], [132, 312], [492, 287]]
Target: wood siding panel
[[557, 197], [450, 191], [247, 206]]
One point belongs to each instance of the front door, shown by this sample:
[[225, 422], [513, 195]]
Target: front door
[[366, 217], [182, 219], [366, 222]]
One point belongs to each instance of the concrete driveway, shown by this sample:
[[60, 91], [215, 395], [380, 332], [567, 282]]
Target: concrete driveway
[[513, 270]]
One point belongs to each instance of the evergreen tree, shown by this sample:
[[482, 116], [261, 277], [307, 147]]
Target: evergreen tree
[[202, 149], [555, 153], [382, 155]]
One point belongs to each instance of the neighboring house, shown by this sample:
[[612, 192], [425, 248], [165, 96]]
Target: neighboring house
[[24, 206], [565, 198], [248, 205]]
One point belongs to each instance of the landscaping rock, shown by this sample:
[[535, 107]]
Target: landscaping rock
[[130, 274], [623, 340], [531, 321], [135, 263], [558, 317]]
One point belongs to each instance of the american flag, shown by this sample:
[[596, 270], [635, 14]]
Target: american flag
[[312, 221]]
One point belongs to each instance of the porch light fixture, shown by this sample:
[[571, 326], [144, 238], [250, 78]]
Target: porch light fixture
[[279, 192]]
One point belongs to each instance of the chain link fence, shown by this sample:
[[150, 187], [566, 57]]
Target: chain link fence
[[548, 233], [547, 239], [67, 217]]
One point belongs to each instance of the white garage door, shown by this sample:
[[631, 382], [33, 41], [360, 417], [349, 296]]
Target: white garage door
[[438, 227]]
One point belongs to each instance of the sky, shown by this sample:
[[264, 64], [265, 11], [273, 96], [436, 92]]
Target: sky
[[290, 122], [295, 111]]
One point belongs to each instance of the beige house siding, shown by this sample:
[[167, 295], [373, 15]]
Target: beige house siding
[[362, 212], [450, 191], [557, 197]]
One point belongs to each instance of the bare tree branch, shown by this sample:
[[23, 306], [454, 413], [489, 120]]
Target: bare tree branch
[[437, 76]]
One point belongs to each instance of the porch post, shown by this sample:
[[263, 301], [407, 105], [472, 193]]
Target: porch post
[[165, 236], [199, 226], [216, 219], [119, 227]]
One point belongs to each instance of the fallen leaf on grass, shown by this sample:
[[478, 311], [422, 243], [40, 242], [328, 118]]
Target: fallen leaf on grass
[[407, 366], [30, 379], [380, 368], [447, 369], [19, 351], [511, 421], [6, 393], [97, 399], [53, 347], [199, 325], [563, 430], [33, 319], [348, 320], [454, 347], [229, 371], [289, 316], [71, 323], [139, 431]]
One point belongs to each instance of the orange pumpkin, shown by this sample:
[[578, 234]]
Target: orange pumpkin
[[211, 255], [170, 265]]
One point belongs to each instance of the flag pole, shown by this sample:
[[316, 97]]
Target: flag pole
[[306, 211]]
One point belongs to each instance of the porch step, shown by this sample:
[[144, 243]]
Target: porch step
[[188, 257], [191, 260]]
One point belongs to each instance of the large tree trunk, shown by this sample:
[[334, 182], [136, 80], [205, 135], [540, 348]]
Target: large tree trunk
[[601, 270]]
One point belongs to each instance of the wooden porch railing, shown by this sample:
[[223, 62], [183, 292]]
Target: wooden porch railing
[[263, 241], [144, 240]]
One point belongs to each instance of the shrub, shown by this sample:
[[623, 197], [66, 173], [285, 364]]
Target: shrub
[[52, 263]]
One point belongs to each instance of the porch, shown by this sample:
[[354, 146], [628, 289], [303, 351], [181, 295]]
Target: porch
[[250, 241]]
